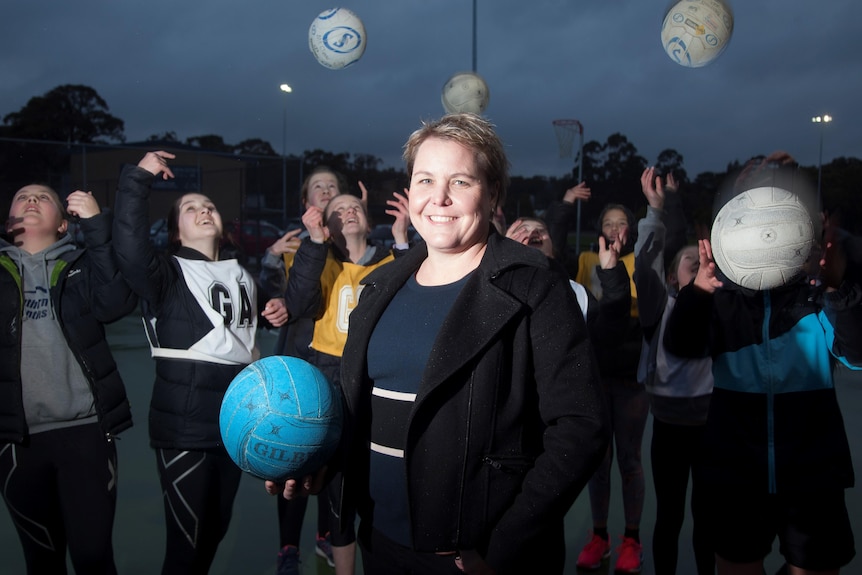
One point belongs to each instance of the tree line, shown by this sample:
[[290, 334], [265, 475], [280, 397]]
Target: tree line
[[77, 114]]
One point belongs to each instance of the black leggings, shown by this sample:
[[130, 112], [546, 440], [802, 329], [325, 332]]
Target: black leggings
[[61, 491], [199, 488], [673, 452], [291, 514]]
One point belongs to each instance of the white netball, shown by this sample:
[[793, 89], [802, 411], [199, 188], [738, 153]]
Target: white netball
[[465, 92], [696, 32], [337, 38], [762, 238]]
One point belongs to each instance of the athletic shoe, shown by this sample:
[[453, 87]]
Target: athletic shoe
[[631, 556], [288, 561], [323, 548], [594, 552]]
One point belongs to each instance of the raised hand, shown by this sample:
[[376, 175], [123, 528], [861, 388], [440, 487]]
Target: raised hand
[[578, 192], [652, 188], [609, 255], [400, 212], [670, 185], [364, 197], [518, 232], [312, 219], [157, 163], [286, 244], [82, 204], [706, 278]]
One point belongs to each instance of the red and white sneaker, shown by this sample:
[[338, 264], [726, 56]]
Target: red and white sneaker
[[631, 556], [594, 552]]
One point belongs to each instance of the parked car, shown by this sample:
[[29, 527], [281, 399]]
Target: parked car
[[252, 237]]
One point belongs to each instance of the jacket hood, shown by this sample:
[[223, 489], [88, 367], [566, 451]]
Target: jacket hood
[[52, 252], [41, 263]]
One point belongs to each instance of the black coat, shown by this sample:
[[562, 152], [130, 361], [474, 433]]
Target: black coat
[[87, 291], [509, 422], [187, 395]]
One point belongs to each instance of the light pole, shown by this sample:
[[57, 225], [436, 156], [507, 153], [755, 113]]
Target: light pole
[[474, 36], [580, 179], [287, 90], [822, 120]]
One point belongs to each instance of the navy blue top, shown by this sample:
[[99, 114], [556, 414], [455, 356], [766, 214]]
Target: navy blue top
[[397, 354]]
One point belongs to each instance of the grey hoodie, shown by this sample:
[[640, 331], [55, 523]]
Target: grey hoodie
[[56, 392]]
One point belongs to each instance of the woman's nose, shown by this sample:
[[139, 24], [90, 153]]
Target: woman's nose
[[440, 195]]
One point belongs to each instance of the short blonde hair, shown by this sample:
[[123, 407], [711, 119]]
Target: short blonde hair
[[474, 133]]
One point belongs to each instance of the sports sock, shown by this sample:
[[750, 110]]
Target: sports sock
[[601, 532]]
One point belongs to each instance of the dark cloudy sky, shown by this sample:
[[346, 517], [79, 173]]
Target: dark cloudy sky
[[213, 67]]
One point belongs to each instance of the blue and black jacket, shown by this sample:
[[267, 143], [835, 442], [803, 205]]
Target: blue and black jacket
[[774, 423]]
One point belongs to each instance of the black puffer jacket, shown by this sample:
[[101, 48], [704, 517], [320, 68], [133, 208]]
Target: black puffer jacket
[[188, 391], [87, 292]]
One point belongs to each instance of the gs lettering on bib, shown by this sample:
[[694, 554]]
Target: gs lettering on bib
[[226, 293], [340, 288], [347, 297]]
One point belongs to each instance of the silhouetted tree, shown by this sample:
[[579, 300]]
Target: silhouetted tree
[[209, 142], [71, 114], [169, 136], [671, 161], [254, 146], [612, 171], [68, 113]]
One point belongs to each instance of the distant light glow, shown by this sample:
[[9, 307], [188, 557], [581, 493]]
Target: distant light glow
[[826, 118], [288, 89]]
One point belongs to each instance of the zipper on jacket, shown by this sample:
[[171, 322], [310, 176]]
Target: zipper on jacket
[[770, 392], [58, 283], [467, 428], [500, 464]]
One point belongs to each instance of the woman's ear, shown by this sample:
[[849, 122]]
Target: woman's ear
[[495, 198]]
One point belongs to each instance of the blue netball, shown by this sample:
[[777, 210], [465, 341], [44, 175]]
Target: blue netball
[[280, 418]]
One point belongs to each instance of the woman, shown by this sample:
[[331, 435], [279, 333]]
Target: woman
[[201, 318], [475, 416]]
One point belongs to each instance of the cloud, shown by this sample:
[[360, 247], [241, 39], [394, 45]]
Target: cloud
[[215, 67]]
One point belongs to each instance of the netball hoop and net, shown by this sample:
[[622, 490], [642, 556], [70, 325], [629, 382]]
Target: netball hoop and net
[[566, 130]]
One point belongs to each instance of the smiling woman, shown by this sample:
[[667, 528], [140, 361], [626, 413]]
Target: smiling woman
[[471, 434]]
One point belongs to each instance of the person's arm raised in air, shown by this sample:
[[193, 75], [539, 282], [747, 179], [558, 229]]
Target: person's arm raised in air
[[649, 274], [398, 210], [559, 218], [111, 297], [136, 257], [273, 271]]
